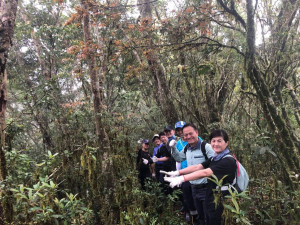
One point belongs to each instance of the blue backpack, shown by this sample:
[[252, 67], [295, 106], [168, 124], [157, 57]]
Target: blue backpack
[[241, 180]]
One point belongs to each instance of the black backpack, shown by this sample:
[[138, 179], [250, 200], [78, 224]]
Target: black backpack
[[202, 147]]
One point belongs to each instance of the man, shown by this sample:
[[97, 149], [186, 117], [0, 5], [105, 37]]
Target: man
[[194, 156], [164, 155], [156, 167], [170, 133], [143, 162], [169, 130]]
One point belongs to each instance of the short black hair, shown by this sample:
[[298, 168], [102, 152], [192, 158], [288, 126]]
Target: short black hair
[[219, 133], [190, 125], [162, 134]]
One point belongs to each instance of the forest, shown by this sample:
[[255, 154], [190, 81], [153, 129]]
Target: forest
[[82, 81]]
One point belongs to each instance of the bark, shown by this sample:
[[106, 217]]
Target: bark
[[8, 11], [289, 155], [162, 92], [104, 178]]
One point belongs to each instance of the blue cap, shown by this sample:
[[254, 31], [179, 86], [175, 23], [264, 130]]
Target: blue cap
[[146, 141], [179, 124]]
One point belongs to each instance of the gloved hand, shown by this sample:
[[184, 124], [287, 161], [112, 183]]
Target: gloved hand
[[174, 181], [172, 143], [171, 173], [145, 161], [153, 175], [155, 159]]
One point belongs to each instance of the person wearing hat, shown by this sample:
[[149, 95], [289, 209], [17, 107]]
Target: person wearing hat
[[156, 167], [170, 132], [143, 162]]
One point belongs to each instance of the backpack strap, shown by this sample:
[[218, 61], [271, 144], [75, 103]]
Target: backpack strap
[[202, 147], [185, 149], [237, 172]]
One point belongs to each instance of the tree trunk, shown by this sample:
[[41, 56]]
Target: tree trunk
[[287, 149], [162, 91], [8, 11], [103, 177]]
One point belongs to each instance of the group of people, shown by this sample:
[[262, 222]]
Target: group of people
[[186, 161]]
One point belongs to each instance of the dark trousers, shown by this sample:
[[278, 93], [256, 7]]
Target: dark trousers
[[158, 167], [199, 195], [214, 214], [143, 174], [188, 196]]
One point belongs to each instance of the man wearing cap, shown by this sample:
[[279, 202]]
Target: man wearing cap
[[194, 156], [143, 162], [158, 165], [169, 130]]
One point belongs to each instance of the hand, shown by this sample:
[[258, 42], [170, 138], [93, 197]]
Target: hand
[[155, 159], [153, 175], [171, 173], [172, 143], [174, 181], [145, 161]]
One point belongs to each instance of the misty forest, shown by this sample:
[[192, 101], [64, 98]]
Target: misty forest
[[82, 82]]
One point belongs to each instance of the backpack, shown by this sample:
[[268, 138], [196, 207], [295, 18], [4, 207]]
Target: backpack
[[202, 147], [241, 179]]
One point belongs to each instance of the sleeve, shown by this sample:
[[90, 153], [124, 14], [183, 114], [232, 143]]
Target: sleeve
[[178, 156], [149, 159], [206, 163], [209, 151], [158, 153]]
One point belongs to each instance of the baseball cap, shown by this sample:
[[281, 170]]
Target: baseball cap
[[155, 136], [179, 124], [168, 128], [146, 141]]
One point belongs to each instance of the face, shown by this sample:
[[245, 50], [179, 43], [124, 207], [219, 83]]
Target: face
[[156, 141], [190, 135], [169, 133], [218, 144], [145, 146], [179, 132], [164, 139]]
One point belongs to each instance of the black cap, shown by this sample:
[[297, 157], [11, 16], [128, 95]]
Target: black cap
[[168, 128], [146, 141]]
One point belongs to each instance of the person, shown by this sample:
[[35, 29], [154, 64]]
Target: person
[[194, 156], [143, 162], [170, 133], [218, 165], [164, 156], [187, 199], [156, 167]]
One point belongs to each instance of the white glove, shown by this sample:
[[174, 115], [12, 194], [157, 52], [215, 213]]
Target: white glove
[[174, 181], [153, 175], [155, 159], [172, 143], [145, 161], [171, 173]]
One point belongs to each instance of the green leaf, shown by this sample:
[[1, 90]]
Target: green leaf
[[35, 209], [230, 208], [40, 164]]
